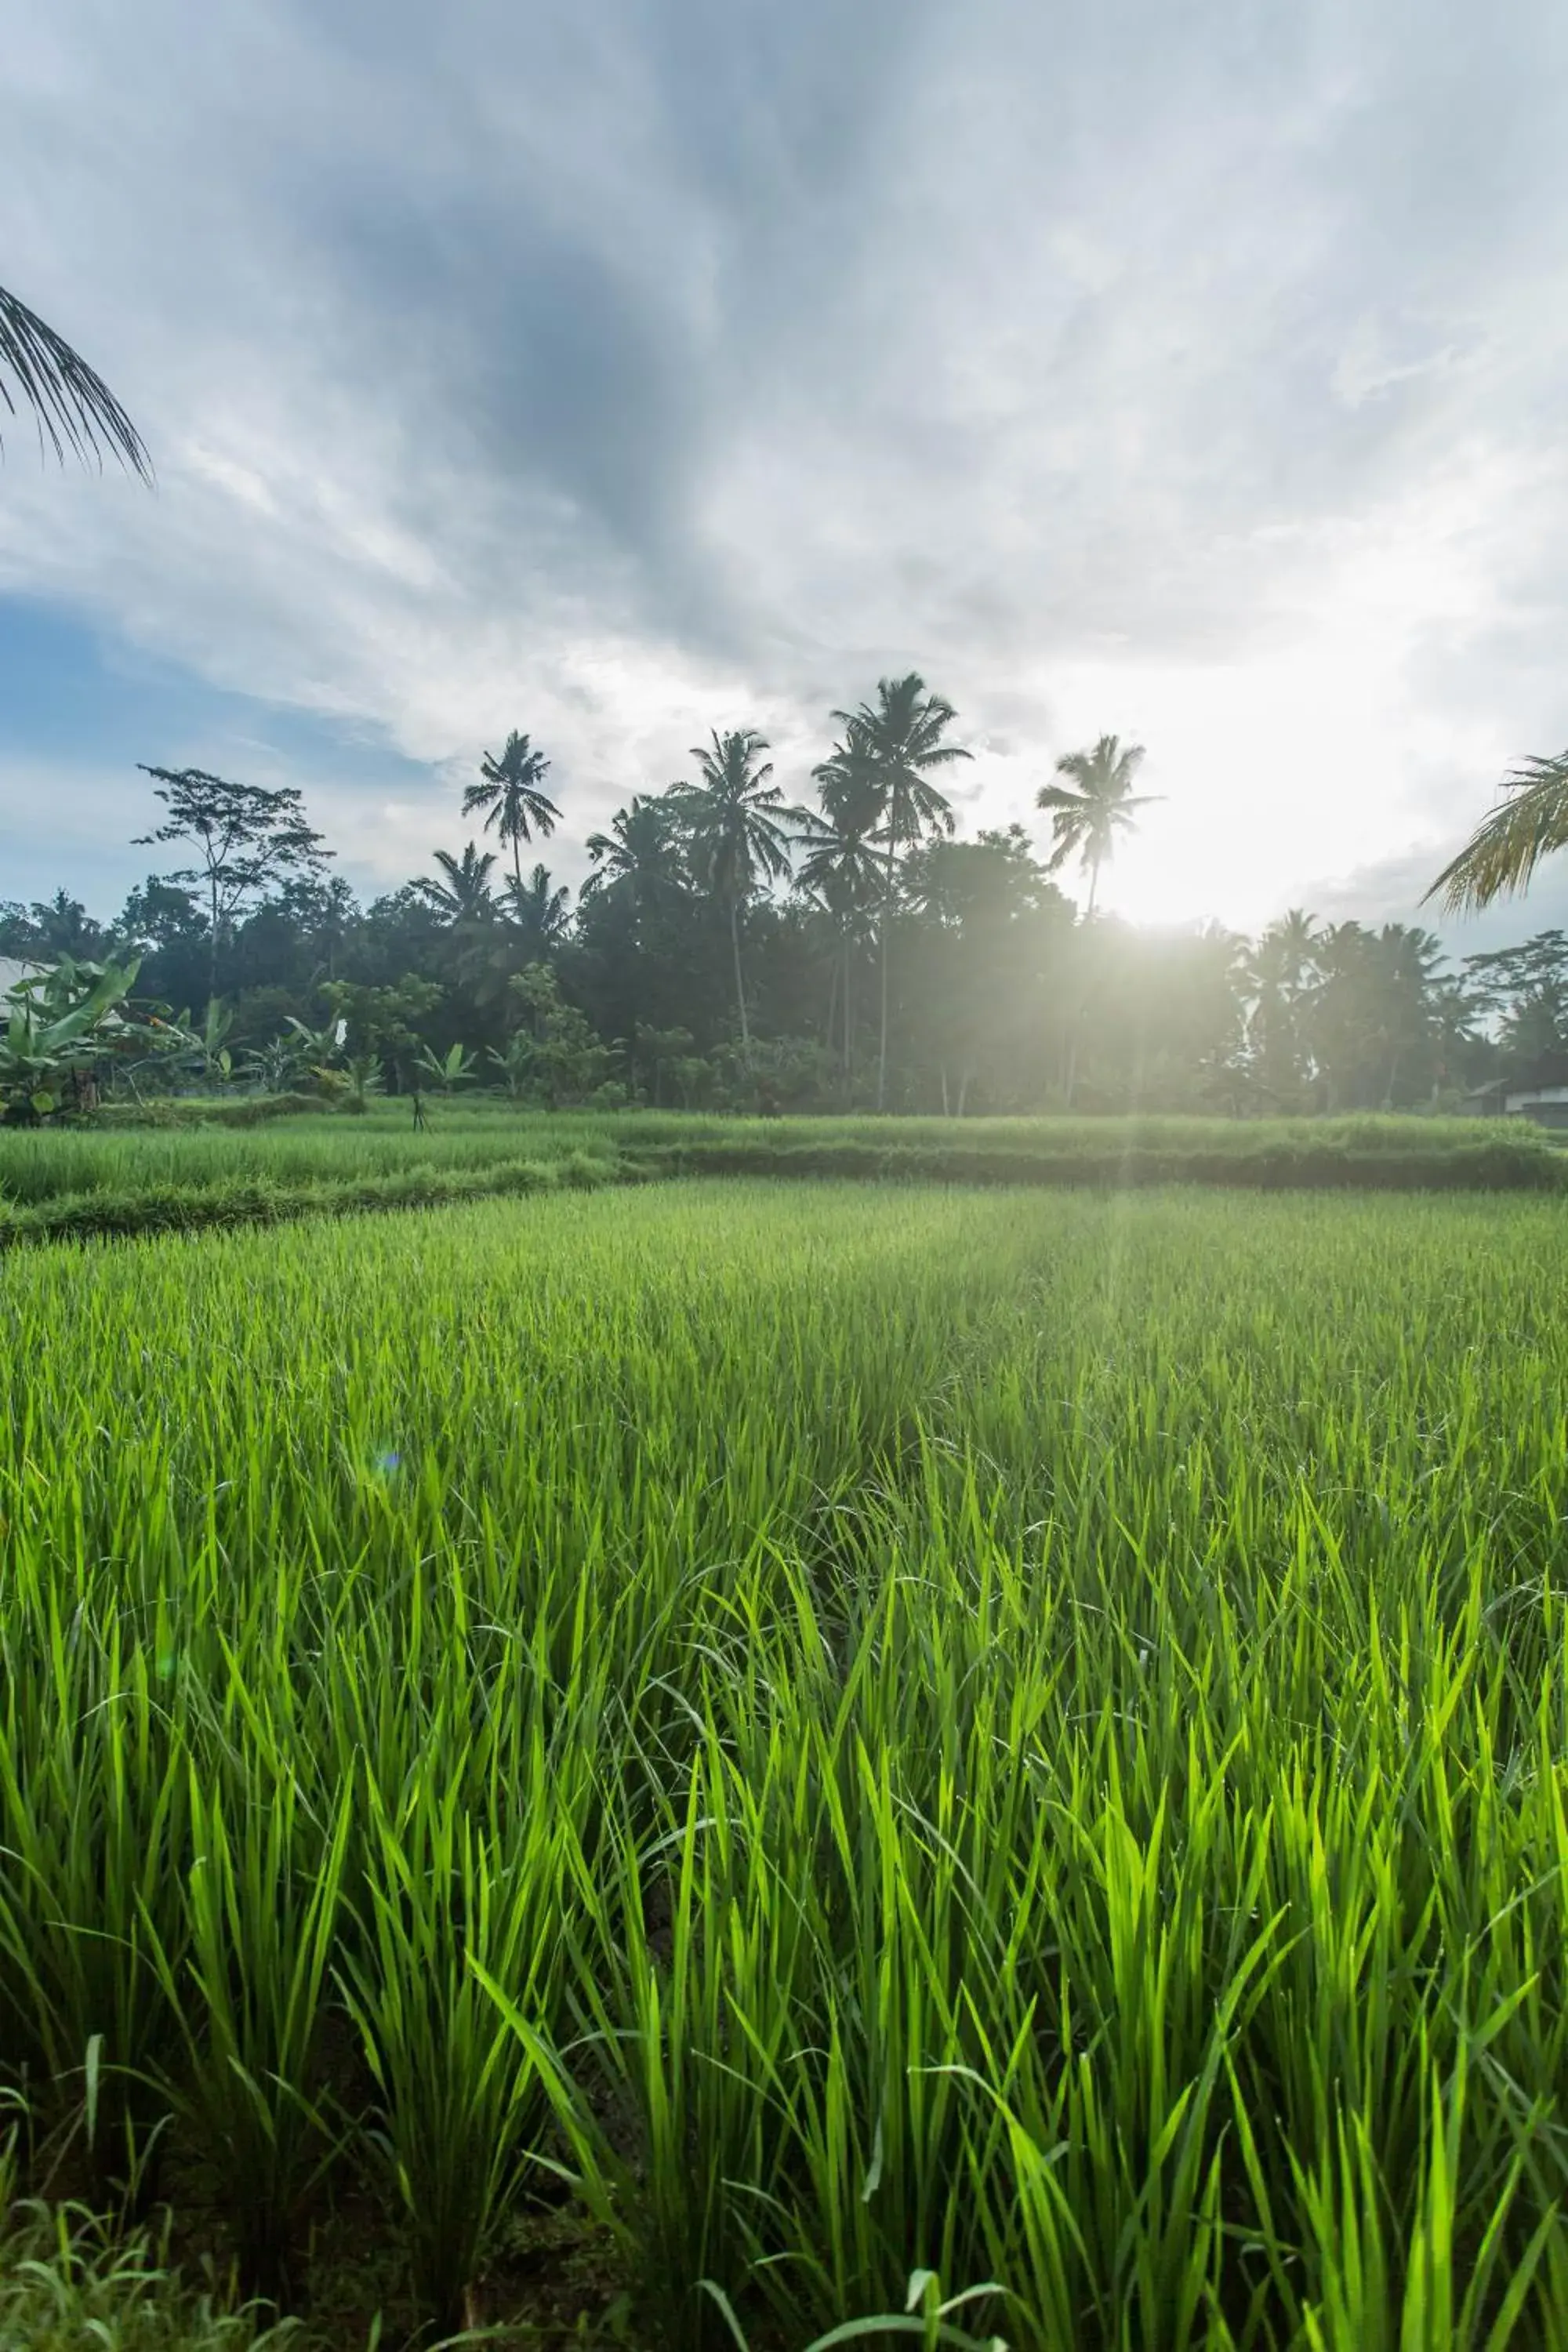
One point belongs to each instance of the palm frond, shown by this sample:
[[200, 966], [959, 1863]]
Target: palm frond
[[1506, 848], [74, 407]]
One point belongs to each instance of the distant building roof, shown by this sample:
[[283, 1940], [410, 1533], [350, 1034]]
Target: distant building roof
[[1545, 1074]]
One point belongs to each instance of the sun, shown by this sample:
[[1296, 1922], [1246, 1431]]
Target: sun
[[1173, 871]]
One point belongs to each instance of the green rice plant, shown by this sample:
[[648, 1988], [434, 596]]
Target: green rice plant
[[661, 2040], [92, 1825], [65, 2283], [182, 1177], [1410, 2300], [262, 1910], [461, 2107], [1000, 1737]]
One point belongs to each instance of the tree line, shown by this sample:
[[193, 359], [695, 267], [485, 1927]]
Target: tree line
[[732, 948]]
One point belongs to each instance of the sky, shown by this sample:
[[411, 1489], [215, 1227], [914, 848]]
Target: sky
[[615, 373]]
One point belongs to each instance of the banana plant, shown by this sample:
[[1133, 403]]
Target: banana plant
[[518, 1065], [319, 1046], [217, 1060], [320, 1051], [447, 1071], [59, 1026], [275, 1066]]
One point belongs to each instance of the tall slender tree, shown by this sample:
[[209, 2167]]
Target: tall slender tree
[[539, 910], [1096, 806], [897, 741], [1291, 941], [75, 409], [246, 838], [738, 832], [643, 854], [1378, 1004], [465, 893], [841, 869], [511, 792], [1085, 823], [1278, 971]]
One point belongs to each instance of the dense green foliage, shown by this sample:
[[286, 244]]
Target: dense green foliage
[[223, 1169], [57, 1027], [1008, 1735], [730, 951]]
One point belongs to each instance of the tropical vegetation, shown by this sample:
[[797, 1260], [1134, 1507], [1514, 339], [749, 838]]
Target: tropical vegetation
[[973, 1761], [732, 948], [1530, 822]]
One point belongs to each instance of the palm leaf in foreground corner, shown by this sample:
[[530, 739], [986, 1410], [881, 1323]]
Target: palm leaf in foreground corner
[[1506, 848], [74, 406]]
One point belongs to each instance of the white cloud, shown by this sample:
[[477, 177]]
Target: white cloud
[[616, 373]]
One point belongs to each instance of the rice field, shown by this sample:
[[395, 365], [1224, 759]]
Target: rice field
[[47, 1163], [707, 1763], [61, 1181]]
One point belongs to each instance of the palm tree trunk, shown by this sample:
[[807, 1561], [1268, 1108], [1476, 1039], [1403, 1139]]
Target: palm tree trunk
[[848, 1021], [1077, 1014], [886, 914], [212, 944], [740, 985]]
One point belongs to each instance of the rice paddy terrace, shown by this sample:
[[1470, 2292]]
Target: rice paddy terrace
[[712, 1760]]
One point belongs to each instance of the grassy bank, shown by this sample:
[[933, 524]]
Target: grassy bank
[[1013, 1737], [1393, 1154], [123, 1181]]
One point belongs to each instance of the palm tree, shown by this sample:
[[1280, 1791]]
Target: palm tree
[[1277, 973], [1506, 848], [896, 741], [539, 912], [465, 895], [512, 797], [1375, 1005], [1290, 943], [1085, 823], [842, 866], [736, 834], [74, 406], [641, 856], [1411, 960]]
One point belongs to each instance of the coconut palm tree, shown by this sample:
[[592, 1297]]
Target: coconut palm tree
[[539, 911], [642, 856], [1506, 848], [512, 796], [1277, 974], [1412, 961], [897, 741], [1086, 822], [74, 406], [465, 895], [1378, 1004], [738, 836], [1290, 946], [842, 866]]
